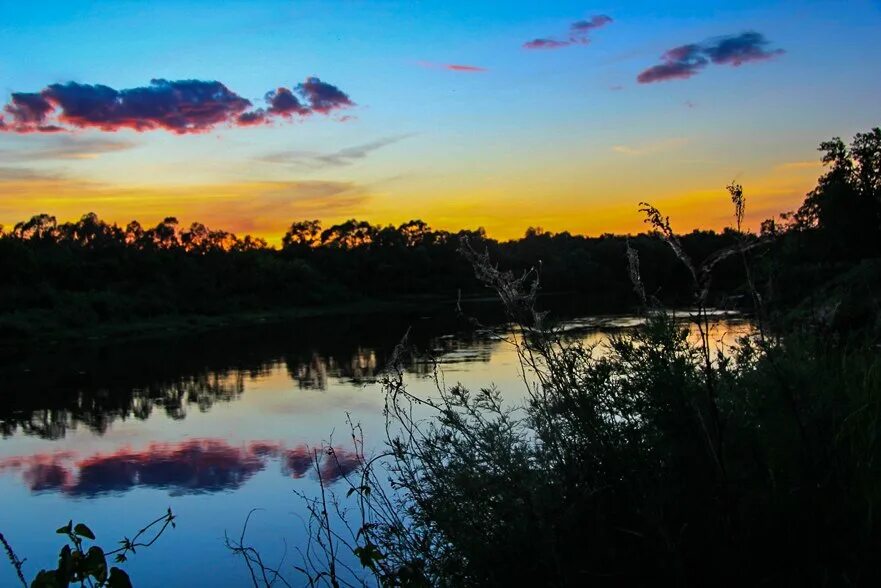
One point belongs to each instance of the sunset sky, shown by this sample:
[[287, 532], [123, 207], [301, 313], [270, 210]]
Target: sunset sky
[[249, 115]]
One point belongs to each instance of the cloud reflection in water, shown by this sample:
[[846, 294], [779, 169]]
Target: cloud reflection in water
[[193, 466]]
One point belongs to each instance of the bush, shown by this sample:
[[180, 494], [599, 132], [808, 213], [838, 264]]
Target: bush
[[652, 459]]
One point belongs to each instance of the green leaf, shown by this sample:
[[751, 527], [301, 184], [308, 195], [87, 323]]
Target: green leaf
[[118, 579], [84, 531]]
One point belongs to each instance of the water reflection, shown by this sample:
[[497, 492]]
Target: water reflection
[[97, 407], [60, 393], [214, 426], [193, 466], [48, 395]]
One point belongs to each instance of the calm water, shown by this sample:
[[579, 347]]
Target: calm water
[[213, 426]]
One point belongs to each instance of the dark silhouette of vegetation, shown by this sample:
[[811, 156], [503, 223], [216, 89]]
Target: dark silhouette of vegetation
[[652, 460], [47, 394], [72, 278], [82, 567], [80, 276]]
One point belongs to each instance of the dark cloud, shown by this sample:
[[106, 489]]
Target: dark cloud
[[323, 97], [283, 103], [686, 61], [578, 34], [253, 118], [595, 22], [181, 107], [740, 49], [545, 44], [679, 63], [28, 108], [186, 106]]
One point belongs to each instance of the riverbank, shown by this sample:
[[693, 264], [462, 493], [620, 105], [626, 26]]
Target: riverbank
[[40, 329]]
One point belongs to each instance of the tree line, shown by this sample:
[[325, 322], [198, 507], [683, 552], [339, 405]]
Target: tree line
[[78, 274]]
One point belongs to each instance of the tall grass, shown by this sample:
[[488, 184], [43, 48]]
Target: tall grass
[[656, 459]]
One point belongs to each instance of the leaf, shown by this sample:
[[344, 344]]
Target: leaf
[[118, 579], [96, 563], [84, 531], [366, 528], [45, 579], [362, 489], [65, 530], [64, 561], [368, 556]]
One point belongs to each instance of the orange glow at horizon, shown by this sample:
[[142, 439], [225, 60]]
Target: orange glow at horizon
[[266, 209]]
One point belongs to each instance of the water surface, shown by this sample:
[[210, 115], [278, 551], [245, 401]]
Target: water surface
[[214, 426]]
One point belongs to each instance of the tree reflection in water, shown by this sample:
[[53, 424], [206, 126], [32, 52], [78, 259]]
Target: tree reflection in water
[[48, 394]]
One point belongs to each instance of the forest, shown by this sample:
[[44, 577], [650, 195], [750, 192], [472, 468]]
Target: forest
[[80, 277]]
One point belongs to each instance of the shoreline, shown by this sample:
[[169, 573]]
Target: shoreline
[[167, 326]]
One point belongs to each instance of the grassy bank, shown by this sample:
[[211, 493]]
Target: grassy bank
[[35, 328]]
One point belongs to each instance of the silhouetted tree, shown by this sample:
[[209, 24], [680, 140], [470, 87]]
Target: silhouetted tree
[[302, 234], [41, 227], [846, 204]]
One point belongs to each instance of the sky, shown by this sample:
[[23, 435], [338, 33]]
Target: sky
[[247, 116]]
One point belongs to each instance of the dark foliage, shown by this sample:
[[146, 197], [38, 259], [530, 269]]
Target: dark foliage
[[88, 567], [653, 459], [79, 276]]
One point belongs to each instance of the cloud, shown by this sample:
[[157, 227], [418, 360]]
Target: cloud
[[28, 108], [686, 61], [323, 97], [465, 68], [23, 174], [545, 44], [679, 63], [648, 148], [578, 34], [452, 67], [263, 208], [337, 158], [283, 103], [740, 49], [595, 22], [181, 107], [67, 147]]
